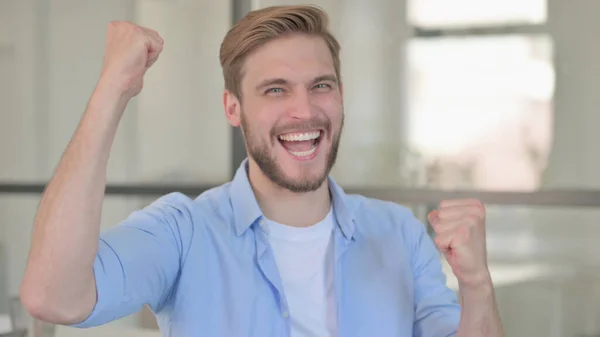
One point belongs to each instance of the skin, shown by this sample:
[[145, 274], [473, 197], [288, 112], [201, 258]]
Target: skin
[[59, 285]]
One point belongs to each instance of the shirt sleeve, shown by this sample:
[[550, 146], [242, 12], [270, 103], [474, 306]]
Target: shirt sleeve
[[139, 260], [437, 312]]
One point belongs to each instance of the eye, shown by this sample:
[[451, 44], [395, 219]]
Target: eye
[[322, 86], [274, 90]]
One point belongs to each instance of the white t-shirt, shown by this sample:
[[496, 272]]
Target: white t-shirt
[[305, 261]]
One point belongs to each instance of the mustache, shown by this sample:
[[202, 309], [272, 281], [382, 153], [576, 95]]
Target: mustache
[[301, 126]]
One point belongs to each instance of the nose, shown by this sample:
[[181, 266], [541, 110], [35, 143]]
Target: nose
[[301, 106]]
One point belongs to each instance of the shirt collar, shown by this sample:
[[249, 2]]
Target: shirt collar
[[246, 209]]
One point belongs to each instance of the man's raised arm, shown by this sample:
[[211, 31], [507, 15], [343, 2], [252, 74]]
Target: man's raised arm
[[460, 229], [59, 285]]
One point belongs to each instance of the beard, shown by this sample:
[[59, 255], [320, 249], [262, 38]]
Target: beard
[[260, 152]]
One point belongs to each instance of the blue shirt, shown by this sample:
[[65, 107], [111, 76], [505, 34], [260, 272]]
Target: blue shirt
[[205, 268]]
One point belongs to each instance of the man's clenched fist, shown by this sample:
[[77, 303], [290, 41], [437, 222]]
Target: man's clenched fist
[[130, 51], [460, 234]]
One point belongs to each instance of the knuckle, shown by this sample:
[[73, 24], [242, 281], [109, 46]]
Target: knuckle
[[479, 205], [479, 213], [113, 26], [473, 219], [446, 213], [138, 30], [120, 24], [151, 31], [433, 223]]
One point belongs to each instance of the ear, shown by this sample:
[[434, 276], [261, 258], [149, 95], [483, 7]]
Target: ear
[[232, 107]]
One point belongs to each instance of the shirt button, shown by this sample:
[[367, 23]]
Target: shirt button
[[285, 314]]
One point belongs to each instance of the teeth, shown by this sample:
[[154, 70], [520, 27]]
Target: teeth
[[297, 137], [303, 153]]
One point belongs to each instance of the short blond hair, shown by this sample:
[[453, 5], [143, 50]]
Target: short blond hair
[[261, 26]]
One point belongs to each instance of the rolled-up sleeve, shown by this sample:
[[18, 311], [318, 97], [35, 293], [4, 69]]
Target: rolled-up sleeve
[[138, 261], [437, 312]]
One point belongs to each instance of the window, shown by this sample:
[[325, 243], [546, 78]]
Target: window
[[478, 103], [479, 106], [465, 13]]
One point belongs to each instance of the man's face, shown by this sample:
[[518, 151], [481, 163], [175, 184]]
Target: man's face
[[291, 111]]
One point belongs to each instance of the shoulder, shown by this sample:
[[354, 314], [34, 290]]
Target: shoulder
[[173, 217], [387, 209], [382, 217], [209, 200], [184, 211], [387, 213], [173, 206]]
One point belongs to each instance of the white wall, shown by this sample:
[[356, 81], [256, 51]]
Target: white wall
[[181, 126], [571, 234], [18, 135], [575, 157]]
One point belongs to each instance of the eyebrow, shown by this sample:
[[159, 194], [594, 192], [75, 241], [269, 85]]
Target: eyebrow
[[271, 81], [282, 81], [323, 78]]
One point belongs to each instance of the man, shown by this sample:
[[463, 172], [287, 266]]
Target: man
[[279, 251]]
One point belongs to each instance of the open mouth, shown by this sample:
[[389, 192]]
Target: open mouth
[[301, 144]]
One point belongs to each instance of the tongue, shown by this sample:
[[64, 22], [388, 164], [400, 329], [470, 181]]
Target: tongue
[[300, 146]]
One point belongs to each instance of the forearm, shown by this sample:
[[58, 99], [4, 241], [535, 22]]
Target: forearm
[[479, 315], [59, 284]]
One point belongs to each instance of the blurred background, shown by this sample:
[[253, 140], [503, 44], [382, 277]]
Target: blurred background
[[495, 99]]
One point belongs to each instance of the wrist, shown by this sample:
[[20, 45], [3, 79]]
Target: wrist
[[105, 106], [111, 96], [481, 284], [113, 89]]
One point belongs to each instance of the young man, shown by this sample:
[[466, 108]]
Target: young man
[[280, 250]]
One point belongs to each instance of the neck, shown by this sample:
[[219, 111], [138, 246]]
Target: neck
[[286, 207]]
